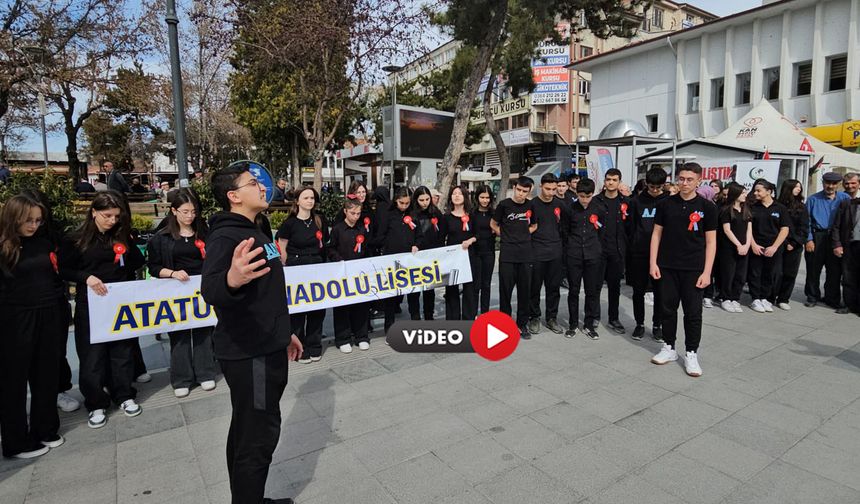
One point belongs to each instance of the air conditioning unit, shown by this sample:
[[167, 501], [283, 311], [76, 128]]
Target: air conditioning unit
[[588, 96]]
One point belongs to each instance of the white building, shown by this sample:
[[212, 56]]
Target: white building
[[801, 55]]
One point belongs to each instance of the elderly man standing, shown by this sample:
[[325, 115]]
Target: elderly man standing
[[846, 243], [819, 254]]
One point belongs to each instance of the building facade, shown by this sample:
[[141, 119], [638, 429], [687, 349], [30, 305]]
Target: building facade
[[803, 56]]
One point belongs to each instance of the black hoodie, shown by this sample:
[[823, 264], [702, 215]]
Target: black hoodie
[[253, 320]]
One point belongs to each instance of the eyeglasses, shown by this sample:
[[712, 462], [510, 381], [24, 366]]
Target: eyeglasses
[[253, 182], [34, 222]]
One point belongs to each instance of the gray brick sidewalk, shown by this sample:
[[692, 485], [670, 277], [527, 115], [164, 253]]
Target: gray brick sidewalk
[[774, 419]]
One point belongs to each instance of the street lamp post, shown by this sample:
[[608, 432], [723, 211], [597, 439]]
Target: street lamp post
[[393, 69], [178, 102]]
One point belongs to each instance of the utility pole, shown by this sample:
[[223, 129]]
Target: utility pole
[[178, 102]]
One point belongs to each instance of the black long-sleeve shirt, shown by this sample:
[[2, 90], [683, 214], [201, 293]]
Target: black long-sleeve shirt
[[165, 251], [486, 244], [397, 236], [33, 282], [584, 230], [432, 228], [99, 260], [344, 240], [617, 224], [454, 230]]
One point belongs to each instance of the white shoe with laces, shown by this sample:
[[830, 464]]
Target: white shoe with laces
[[67, 403], [758, 306], [728, 306], [667, 354], [768, 307], [784, 306], [345, 348], [738, 308], [96, 419], [130, 408], [691, 364], [363, 345]]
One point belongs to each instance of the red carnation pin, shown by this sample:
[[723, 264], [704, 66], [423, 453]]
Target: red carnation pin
[[201, 246]]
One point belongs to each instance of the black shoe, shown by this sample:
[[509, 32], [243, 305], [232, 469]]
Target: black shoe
[[524, 333], [33, 450], [534, 326], [810, 302], [592, 333], [564, 283], [638, 332], [843, 310], [570, 333], [616, 326], [657, 333], [553, 326]]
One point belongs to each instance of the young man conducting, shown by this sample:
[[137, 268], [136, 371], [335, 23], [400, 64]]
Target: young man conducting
[[243, 279], [514, 221], [683, 246]]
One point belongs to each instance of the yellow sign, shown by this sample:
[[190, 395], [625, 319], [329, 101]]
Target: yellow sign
[[851, 134], [846, 134]]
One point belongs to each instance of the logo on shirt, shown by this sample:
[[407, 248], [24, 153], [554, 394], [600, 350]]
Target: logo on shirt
[[649, 213], [517, 216], [271, 251], [775, 214]]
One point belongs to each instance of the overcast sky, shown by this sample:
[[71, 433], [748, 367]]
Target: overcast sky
[[57, 142]]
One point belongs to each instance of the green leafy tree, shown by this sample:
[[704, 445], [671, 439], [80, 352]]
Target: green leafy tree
[[58, 191]]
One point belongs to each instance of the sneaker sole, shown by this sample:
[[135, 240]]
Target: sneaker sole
[[96, 426], [54, 444], [32, 454], [69, 410], [694, 375], [664, 362], [138, 412]]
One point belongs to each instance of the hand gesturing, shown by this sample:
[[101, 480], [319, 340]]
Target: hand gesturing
[[242, 269]]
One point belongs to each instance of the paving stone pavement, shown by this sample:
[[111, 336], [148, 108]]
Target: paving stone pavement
[[774, 419]]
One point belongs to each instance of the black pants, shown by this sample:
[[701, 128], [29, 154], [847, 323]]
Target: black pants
[[546, 274], [482, 276], [29, 355], [733, 273], [460, 302], [679, 288], [640, 278], [823, 257], [192, 357], [790, 266], [851, 276], [763, 275], [581, 271], [391, 305], [308, 327], [65, 375], [517, 275], [256, 386], [102, 364], [350, 322], [611, 270], [137, 356], [414, 299]]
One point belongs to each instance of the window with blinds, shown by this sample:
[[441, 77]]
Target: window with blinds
[[803, 78], [837, 70]]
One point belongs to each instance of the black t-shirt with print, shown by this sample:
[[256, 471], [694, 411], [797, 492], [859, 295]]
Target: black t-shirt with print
[[682, 245], [767, 221], [514, 220]]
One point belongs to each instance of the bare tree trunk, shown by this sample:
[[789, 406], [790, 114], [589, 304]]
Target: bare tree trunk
[[462, 113], [297, 168], [504, 159], [318, 168]]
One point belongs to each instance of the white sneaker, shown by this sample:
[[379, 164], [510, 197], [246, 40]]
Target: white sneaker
[[738, 308], [708, 303], [363, 345], [767, 306], [144, 378], [35, 451], [305, 360], [207, 385], [316, 358], [54, 442], [345, 348], [691, 364], [667, 354], [784, 306], [181, 392], [728, 306], [97, 419], [758, 306], [67, 403], [131, 408], [649, 298]]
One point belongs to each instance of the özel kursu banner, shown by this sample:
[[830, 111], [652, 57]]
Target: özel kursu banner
[[143, 307]]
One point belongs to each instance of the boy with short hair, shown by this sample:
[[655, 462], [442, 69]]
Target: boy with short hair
[[243, 279], [584, 233], [614, 243], [642, 211], [683, 245], [547, 250], [514, 221]]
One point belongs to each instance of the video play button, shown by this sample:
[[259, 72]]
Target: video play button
[[494, 335]]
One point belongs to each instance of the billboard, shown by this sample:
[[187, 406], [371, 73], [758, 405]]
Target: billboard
[[423, 133], [551, 78]]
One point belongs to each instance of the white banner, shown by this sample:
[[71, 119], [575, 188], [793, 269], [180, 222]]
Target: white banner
[[143, 307], [748, 171]]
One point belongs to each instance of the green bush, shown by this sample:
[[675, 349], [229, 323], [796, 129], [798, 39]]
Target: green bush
[[276, 219], [57, 189], [205, 196], [331, 205], [141, 223]]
